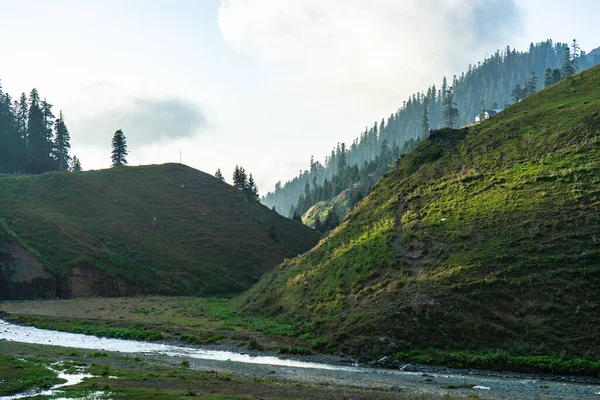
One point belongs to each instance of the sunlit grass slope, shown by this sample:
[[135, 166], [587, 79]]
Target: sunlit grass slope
[[166, 228], [486, 237]]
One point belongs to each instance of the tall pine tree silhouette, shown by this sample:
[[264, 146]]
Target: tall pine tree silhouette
[[450, 110], [62, 143], [119, 149], [219, 175], [76, 164], [425, 121]]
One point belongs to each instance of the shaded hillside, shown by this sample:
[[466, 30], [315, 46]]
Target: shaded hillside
[[340, 205], [165, 229], [482, 238]]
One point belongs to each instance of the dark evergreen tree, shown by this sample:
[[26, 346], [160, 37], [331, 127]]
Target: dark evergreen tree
[[62, 143], [482, 111], [252, 189], [27, 143], [556, 75], [568, 68], [39, 139], [240, 179], [575, 53], [518, 94], [385, 148], [450, 110], [76, 164], [548, 81], [48, 120], [21, 118], [12, 146], [297, 217], [341, 158], [119, 149], [331, 220], [318, 224], [219, 175], [425, 122], [530, 86]]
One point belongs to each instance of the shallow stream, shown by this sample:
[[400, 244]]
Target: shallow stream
[[461, 383]]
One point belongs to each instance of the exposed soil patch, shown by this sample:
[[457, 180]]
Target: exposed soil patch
[[87, 281], [22, 276]]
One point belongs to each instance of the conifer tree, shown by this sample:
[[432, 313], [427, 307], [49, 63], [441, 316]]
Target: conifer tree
[[297, 217], [556, 76], [331, 220], [219, 175], [482, 112], [62, 143], [307, 195], [252, 189], [48, 119], [76, 164], [530, 85], [517, 94], [21, 117], [575, 53], [39, 140], [341, 158], [548, 81], [119, 149], [568, 68], [240, 179], [450, 111], [12, 147], [425, 121], [235, 176], [385, 148], [318, 224]]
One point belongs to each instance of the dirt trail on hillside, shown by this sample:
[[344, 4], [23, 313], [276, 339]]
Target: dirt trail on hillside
[[415, 252]]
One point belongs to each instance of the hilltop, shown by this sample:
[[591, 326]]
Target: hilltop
[[159, 229], [483, 238]]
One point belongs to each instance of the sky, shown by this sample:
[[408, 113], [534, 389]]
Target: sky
[[260, 83]]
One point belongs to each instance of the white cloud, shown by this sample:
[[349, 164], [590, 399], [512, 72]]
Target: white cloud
[[370, 47], [145, 121]]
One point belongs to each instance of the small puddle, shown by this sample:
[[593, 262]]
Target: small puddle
[[71, 379], [27, 334]]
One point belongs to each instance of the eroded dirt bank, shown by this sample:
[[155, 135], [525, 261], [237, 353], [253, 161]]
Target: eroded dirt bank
[[23, 277]]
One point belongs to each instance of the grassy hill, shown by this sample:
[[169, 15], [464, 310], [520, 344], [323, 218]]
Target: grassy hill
[[482, 238], [165, 229], [341, 203]]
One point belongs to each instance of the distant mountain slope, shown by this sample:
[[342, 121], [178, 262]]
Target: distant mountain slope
[[154, 229], [482, 238], [492, 81]]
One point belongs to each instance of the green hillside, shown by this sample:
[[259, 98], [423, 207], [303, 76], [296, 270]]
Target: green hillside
[[486, 237], [166, 229], [340, 204]]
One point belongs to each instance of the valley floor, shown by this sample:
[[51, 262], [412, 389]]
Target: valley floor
[[198, 321]]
